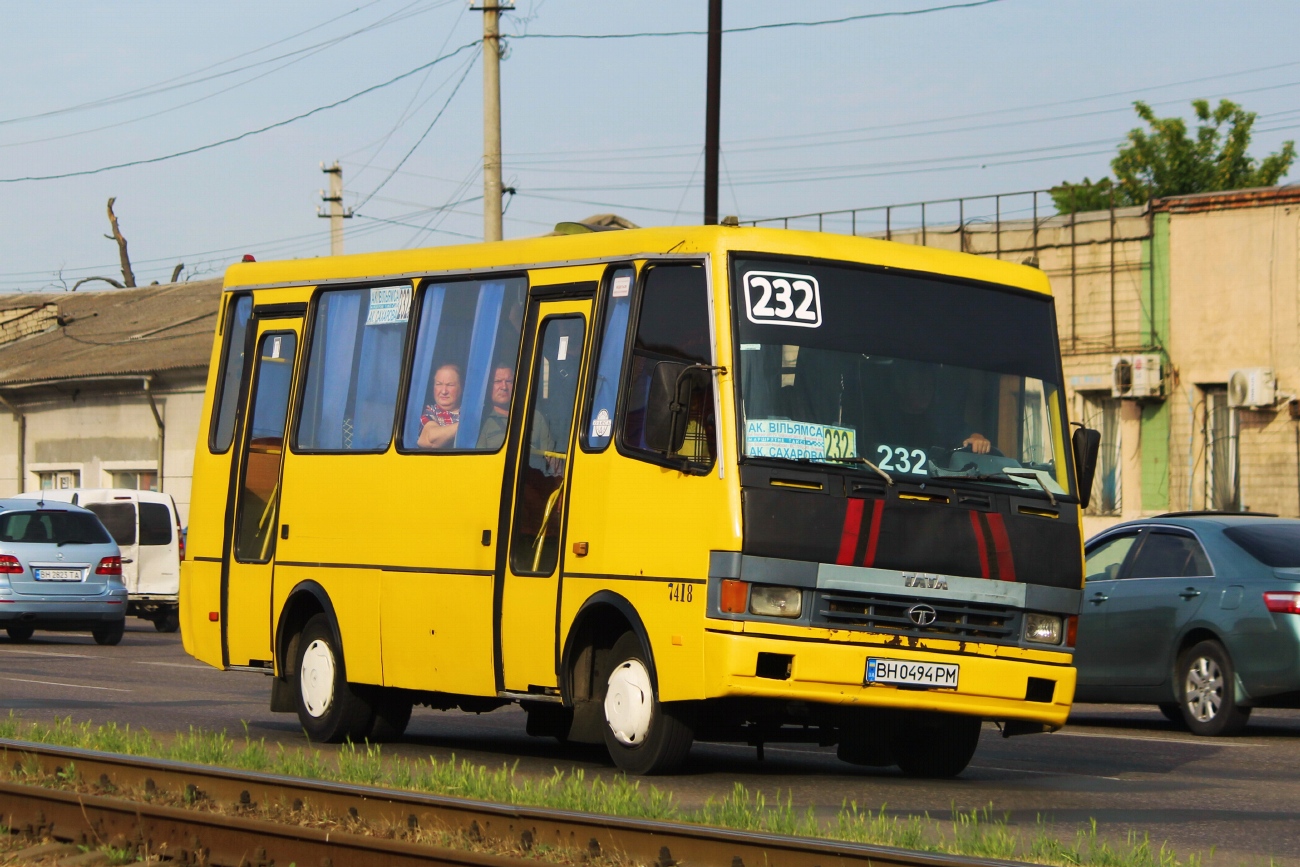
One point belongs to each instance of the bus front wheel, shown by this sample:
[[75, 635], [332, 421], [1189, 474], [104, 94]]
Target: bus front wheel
[[937, 745], [642, 734], [328, 709]]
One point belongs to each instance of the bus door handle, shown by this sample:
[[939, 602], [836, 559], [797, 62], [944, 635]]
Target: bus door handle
[[1098, 598], [1189, 593]]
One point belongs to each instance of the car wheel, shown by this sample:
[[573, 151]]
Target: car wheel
[[328, 708], [109, 635], [642, 734], [1208, 683], [20, 634], [169, 622], [937, 745]]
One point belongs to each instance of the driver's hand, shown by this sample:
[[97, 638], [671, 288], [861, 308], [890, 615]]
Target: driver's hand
[[978, 443]]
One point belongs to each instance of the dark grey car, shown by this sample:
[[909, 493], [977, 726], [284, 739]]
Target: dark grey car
[[59, 570], [1198, 613]]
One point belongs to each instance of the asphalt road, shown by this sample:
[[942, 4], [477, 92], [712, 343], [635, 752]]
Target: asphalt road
[[1125, 767]]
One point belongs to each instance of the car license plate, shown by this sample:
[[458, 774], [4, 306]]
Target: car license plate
[[901, 672], [58, 574]]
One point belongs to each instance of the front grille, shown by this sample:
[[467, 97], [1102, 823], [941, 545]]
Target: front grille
[[953, 618]]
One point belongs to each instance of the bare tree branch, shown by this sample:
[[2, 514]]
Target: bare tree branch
[[176, 272], [128, 276], [108, 280]]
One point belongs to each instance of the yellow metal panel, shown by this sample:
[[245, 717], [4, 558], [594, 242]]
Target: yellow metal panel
[[574, 249], [200, 593], [437, 632]]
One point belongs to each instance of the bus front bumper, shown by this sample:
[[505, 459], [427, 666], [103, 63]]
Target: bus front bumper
[[995, 682]]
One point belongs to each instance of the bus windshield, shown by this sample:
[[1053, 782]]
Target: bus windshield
[[918, 376]]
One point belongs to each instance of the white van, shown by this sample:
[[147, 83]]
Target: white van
[[147, 528]]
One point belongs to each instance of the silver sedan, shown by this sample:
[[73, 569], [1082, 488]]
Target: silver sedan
[[59, 570]]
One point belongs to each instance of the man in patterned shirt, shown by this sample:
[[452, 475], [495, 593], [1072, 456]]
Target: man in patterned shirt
[[441, 419]]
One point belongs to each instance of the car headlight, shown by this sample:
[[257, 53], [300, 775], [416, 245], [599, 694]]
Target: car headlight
[[1043, 628], [775, 601]]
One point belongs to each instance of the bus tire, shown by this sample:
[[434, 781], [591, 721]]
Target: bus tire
[[392, 714], [936, 746], [329, 710], [643, 735]]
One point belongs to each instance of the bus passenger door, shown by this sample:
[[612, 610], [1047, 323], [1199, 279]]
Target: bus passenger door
[[251, 524], [543, 445]]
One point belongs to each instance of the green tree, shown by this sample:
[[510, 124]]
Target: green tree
[[1164, 160]]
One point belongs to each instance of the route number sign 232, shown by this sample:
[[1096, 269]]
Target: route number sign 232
[[776, 298]]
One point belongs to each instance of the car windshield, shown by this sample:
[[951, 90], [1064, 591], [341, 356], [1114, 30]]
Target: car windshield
[[1274, 545], [918, 376], [59, 527]]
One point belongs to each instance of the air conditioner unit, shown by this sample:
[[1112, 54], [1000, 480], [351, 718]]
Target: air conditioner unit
[[1252, 387], [1136, 376]]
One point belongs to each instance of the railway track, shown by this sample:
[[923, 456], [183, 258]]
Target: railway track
[[199, 836]]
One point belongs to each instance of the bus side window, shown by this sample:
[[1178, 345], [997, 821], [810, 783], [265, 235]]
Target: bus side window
[[357, 340], [599, 428], [468, 331], [673, 325], [232, 374]]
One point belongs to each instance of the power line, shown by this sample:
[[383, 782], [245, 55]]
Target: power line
[[781, 25], [244, 135], [388, 177]]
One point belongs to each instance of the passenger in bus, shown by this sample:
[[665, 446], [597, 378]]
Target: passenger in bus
[[496, 422], [441, 419]]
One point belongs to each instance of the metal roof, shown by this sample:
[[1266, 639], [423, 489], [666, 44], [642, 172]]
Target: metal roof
[[66, 336]]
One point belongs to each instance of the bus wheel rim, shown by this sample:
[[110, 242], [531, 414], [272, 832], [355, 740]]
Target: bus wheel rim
[[628, 702], [316, 678]]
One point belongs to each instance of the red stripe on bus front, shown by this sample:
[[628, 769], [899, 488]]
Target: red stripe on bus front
[[849, 535], [979, 543], [877, 509], [1002, 547]]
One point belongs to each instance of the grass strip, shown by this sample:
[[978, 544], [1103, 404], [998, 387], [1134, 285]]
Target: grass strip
[[978, 833]]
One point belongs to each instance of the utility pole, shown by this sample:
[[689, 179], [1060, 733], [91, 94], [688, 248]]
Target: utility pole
[[336, 212], [712, 109], [492, 116]]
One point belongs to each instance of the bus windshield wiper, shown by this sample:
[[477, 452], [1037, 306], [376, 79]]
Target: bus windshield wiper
[[1008, 473], [859, 460]]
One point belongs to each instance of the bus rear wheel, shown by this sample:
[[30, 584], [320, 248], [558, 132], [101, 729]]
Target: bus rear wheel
[[328, 708], [643, 735], [936, 745]]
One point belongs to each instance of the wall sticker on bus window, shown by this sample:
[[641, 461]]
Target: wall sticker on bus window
[[389, 305], [794, 440], [777, 298]]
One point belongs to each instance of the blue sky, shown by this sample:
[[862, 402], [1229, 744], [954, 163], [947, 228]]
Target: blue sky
[[1011, 95]]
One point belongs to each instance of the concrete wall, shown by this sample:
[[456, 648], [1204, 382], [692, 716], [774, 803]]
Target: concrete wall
[[96, 431]]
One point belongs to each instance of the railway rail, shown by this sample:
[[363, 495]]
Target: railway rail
[[209, 837]]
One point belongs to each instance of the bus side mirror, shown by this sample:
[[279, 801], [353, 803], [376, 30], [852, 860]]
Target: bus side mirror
[[671, 386], [1086, 443]]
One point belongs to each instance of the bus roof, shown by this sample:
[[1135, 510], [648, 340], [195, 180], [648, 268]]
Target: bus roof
[[560, 250]]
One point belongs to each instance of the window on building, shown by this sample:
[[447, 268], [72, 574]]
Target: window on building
[[468, 334], [1102, 413], [673, 325], [1222, 487], [350, 396], [60, 480], [134, 480]]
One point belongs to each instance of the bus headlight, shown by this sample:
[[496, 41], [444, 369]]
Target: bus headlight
[[1043, 628], [775, 601]]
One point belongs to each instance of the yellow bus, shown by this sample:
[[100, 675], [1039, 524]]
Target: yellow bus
[[654, 485]]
